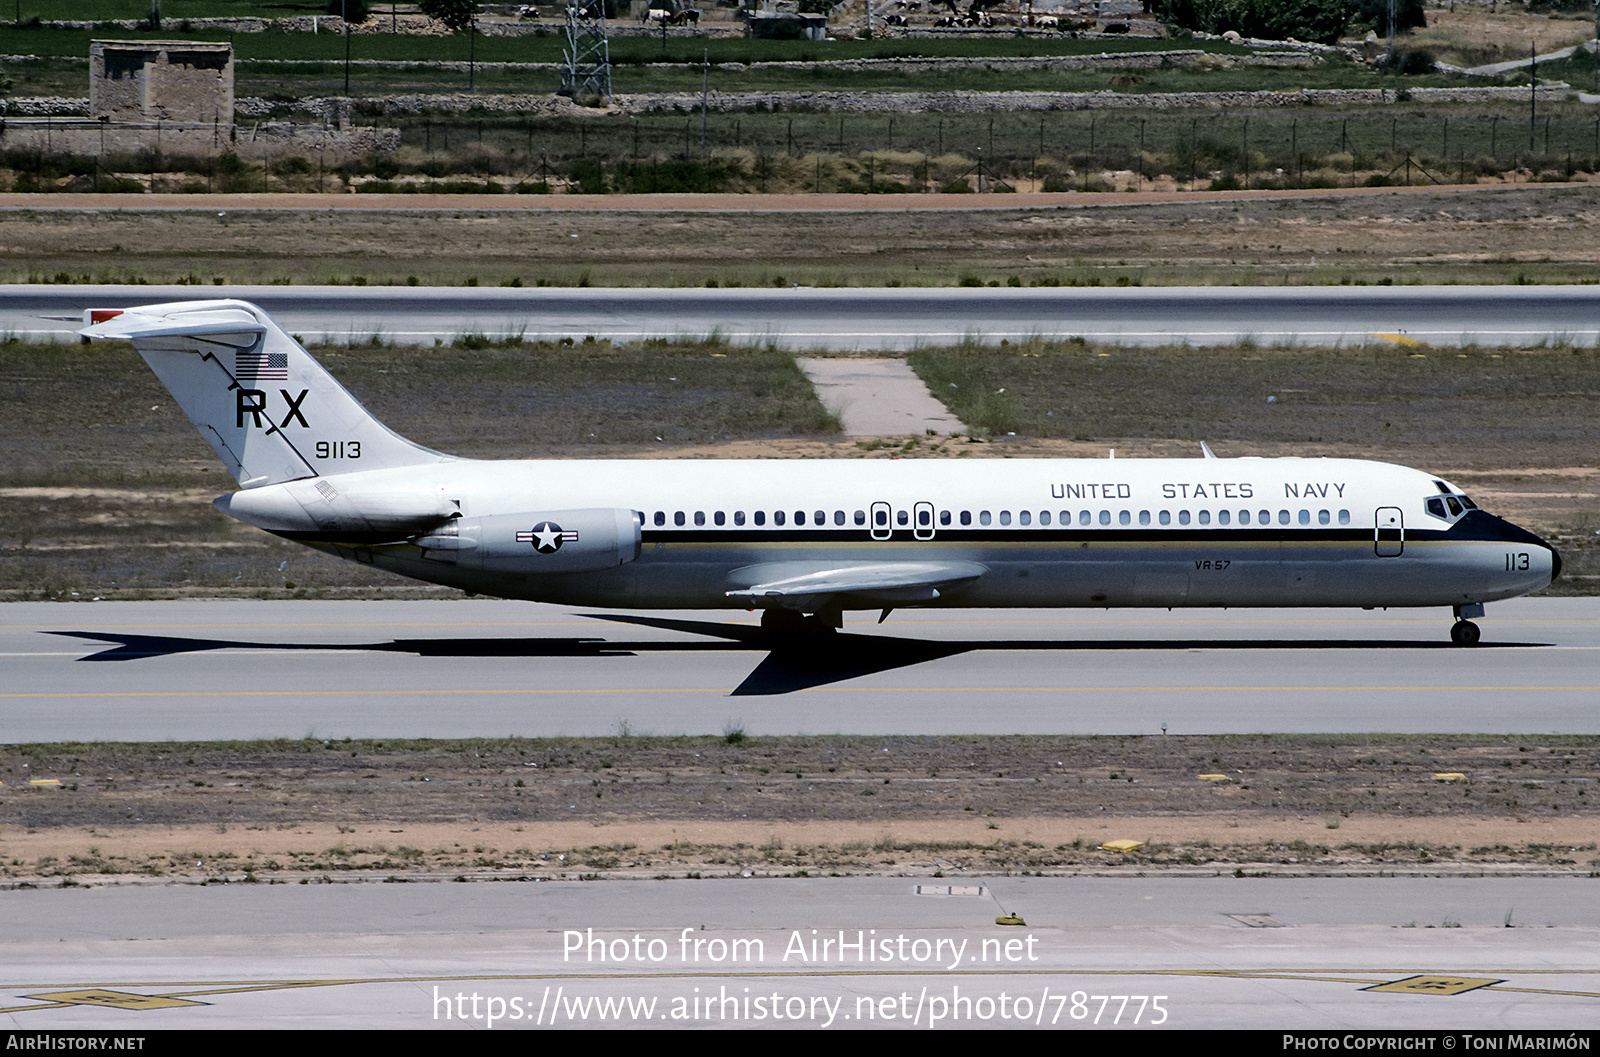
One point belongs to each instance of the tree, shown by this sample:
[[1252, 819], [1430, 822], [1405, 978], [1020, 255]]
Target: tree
[[457, 14], [353, 11], [1410, 14]]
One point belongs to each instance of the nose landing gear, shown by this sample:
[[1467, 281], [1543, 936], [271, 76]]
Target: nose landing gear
[[1464, 632]]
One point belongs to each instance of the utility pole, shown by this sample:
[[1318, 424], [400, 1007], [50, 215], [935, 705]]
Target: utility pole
[[1394, 17], [344, 16]]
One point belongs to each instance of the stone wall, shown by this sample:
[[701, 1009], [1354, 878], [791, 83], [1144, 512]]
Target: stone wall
[[88, 137]]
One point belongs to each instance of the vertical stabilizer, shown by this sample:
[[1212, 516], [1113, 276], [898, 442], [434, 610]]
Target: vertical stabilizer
[[269, 411]]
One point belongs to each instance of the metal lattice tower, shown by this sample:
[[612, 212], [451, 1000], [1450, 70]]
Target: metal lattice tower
[[588, 53]]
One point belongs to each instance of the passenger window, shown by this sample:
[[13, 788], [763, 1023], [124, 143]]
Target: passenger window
[[1024, 518], [1084, 517], [1124, 517], [924, 518], [900, 518], [699, 517], [677, 519], [1344, 517], [966, 517], [1305, 517], [1005, 517], [983, 517], [1265, 517], [1323, 517], [1105, 517], [1222, 517], [760, 517], [944, 517], [821, 518], [1183, 517], [799, 517], [1283, 517], [778, 517], [838, 517], [1144, 517], [1066, 517], [861, 517], [720, 518], [1244, 517], [1166, 517], [1044, 517], [880, 518], [661, 517], [1205, 517], [738, 517]]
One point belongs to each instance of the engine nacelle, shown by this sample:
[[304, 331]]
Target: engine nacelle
[[555, 541], [358, 503]]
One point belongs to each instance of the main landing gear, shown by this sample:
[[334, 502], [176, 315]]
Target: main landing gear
[[788, 622], [1464, 632]]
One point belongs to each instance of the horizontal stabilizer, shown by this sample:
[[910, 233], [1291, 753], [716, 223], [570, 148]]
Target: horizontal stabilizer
[[158, 321], [803, 585]]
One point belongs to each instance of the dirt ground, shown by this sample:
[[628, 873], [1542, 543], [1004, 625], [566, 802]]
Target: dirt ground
[[685, 807], [1488, 233]]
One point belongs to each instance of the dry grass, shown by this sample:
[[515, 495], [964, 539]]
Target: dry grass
[[1473, 35], [921, 805]]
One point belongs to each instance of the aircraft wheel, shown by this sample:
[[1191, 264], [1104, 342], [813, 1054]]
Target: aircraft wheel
[[1465, 633], [788, 622]]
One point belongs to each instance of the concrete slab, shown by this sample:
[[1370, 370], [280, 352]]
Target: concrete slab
[[878, 398]]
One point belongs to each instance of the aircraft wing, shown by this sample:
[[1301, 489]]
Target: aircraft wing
[[878, 583]]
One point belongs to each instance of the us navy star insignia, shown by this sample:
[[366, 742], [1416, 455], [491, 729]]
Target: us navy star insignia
[[546, 537]]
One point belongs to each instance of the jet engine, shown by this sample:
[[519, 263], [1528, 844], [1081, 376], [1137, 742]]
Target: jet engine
[[553, 541]]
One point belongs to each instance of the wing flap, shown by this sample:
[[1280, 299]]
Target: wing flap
[[869, 584]]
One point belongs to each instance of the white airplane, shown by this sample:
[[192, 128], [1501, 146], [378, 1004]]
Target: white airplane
[[803, 541]]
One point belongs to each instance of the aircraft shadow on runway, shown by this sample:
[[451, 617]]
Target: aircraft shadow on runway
[[791, 664], [817, 660]]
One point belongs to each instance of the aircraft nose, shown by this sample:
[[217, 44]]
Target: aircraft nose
[[1503, 530]]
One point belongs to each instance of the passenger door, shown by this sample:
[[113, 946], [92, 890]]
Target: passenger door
[[1389, 535]]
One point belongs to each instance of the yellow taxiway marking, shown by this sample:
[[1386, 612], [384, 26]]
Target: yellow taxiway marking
[[1437, 984], [113, 999], [1398, 339], [1434, 985]]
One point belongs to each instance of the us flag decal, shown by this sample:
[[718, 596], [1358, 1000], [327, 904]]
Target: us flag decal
[[261, 366]]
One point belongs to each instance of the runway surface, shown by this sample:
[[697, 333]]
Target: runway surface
[[1325, 954], [136, 671], [885, 319]]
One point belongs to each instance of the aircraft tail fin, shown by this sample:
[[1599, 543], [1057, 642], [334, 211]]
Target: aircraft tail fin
[[270, 411]]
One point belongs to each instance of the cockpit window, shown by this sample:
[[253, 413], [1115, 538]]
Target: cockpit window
[[1449, 507]]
